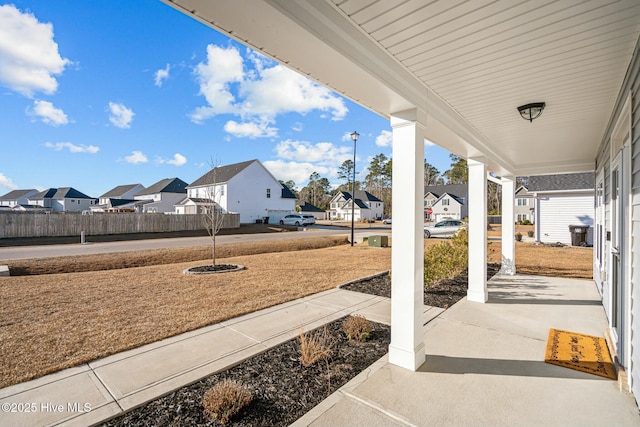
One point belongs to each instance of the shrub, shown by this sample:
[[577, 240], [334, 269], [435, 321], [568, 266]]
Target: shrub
[[446, 259], [525, 222], [314, 346], [225, 399], [357, 328]]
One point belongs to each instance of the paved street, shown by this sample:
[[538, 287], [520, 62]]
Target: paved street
[[22, 252]]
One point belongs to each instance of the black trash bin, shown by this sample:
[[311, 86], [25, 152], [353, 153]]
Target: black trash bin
[[578, 235], [265, 220]]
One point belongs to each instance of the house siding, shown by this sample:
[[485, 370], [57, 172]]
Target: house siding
[[631, 288], [558, 213], [634, 362]]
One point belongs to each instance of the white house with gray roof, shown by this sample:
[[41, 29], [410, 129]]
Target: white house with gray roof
[[367, 206], [246, 188], [16, 197], [162, 196], [562, 201], [63, 199]]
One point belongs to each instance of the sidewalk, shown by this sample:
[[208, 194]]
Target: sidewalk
[[96, 391]]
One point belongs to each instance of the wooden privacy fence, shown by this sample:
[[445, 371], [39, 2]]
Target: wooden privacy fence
[[13, 225]]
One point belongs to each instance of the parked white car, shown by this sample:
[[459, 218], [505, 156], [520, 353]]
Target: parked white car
[[296, 219], [310, 218], [446, 228]]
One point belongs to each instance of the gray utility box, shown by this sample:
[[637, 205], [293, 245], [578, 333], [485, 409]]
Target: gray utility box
[[379, 241]]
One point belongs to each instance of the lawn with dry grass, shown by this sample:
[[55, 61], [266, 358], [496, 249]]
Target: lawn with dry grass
[[49, 322], [55, 321]]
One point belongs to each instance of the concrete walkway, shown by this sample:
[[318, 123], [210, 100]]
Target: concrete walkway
[[485, 365], [96, 391]]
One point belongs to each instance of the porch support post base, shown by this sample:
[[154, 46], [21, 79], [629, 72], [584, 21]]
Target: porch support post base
[[407, 252]]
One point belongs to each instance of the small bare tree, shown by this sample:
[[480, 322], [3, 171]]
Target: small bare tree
[[213, 215]]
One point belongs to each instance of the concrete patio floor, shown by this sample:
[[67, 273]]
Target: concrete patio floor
[[485, 365]]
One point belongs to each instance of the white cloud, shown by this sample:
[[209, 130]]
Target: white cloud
[[120, 116], [223, 67], [279, 90], [297, 126], [259, 94], [161, 75], [384, 139], [296, 171], [59, 146], [29, 57], [48, 113], [323, 152], [136, 157], [177, 160], [250, 129], [6, 182]]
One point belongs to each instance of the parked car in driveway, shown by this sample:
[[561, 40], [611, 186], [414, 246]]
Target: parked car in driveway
[[310, 218], [446, 228], [386, 221], [297, 219]]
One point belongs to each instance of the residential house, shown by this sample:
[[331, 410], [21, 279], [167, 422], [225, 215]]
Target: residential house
[[162, 196], [445, 201], [561, 201], [308, 208], [524, 208], [571, 70], [64, 199], [16, 197], [246, 188], [121, 199], [367, 206]]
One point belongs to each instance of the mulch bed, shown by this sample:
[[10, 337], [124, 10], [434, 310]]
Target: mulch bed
[[443, 294], [283, 389]]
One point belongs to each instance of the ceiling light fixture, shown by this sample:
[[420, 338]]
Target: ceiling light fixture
[[531, 111]]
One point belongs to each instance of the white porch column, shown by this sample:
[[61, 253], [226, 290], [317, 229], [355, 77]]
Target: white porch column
[[508, 226], [407, 252], [477, 231]]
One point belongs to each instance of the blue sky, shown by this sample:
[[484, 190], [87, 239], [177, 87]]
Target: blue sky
[[95, 94]]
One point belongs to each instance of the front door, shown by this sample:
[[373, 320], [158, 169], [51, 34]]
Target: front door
[[619, 185]]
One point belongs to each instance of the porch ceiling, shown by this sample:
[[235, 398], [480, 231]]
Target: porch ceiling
[[467, 63]]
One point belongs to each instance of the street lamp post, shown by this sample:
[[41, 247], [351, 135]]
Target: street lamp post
[[354, 136]]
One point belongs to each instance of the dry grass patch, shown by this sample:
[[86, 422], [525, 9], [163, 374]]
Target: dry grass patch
[[314, 346], [566, 261], [225, 399], [113, 261], [52, 322]]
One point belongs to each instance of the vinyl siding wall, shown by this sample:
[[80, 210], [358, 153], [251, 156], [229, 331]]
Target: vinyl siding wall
[[631, 86], [558, 212]]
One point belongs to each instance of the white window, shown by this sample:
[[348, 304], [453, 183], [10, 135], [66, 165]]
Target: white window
[[428, 203], [268, 193], [523, 217], [445, 202], [522, 202]]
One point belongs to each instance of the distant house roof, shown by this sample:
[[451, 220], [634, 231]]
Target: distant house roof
[[59, 194], [562, 182], [308, 207], [167, 185], [361, 195], [221, 174], [459, 190], [524, 190], [287, 193], [119, 190], [17, 194]]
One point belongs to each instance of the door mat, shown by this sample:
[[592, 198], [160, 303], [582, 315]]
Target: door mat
[[581, 352]]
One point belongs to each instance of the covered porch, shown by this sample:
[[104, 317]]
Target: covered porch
[[485, 366], [455, 73]]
